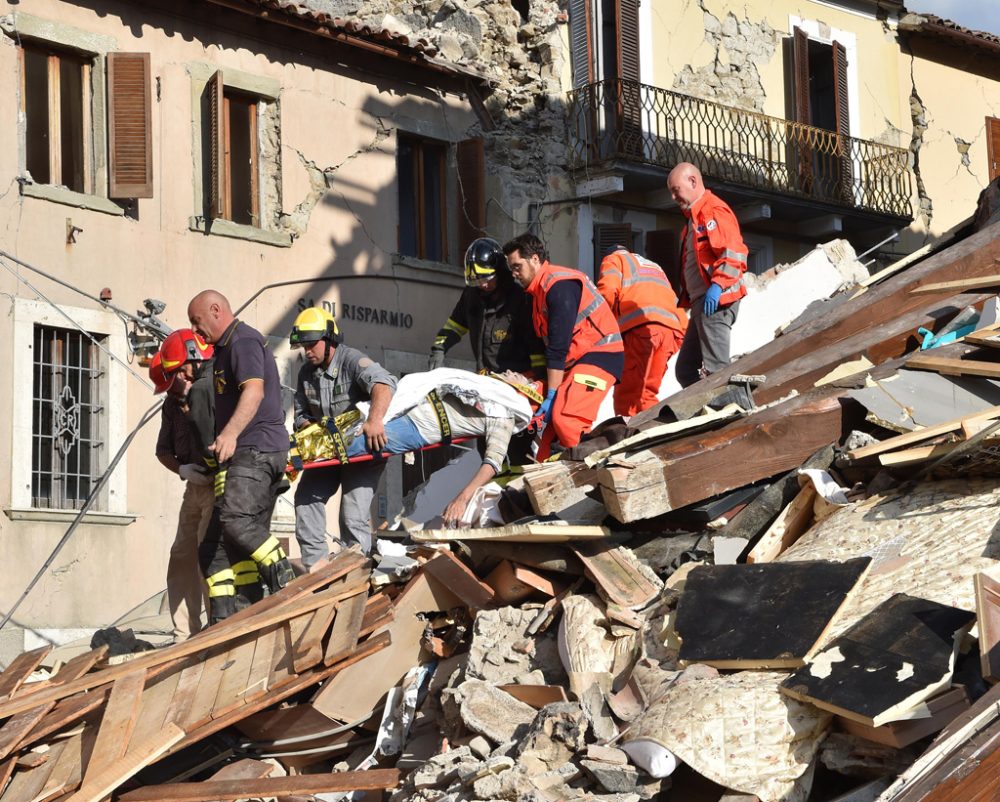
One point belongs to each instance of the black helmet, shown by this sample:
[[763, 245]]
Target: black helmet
[[483, 258]]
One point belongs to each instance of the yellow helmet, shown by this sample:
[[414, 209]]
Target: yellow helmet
[[311, 326]]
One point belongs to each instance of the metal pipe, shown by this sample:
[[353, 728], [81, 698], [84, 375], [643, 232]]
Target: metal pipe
[[894, 235]]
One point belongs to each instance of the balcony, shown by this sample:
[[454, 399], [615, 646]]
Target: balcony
[[629, 122]]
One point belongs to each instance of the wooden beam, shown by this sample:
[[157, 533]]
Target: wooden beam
[[958, 285], [955, 367], [756, 447], [514, 533]]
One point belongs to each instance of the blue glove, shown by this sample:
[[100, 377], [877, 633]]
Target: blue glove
[[545, 410], [712, 299]]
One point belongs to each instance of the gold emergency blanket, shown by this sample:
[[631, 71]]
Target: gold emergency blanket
[[317, 442]]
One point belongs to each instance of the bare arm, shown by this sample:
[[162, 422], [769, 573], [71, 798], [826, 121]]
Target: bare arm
[[251, 394], [453, 512], [554, 378], [374, 426]]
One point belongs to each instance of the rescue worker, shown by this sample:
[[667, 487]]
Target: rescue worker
[[334, 378], [584, 356], [180, 449], [251, 449], [713, 261], [496, 314], [652, 327]]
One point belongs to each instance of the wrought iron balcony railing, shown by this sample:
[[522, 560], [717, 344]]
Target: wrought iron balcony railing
[[629, 121]]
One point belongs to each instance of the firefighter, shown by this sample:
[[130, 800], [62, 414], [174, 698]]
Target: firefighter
[[652, 327], [496, 314], [251, 449], [334, 378], [584, 356], [713, 261]]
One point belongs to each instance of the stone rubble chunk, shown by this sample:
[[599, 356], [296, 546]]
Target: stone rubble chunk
[[492, 655], [489, 711], [614, 779], [558, 732], [607, 754], [442, 769]]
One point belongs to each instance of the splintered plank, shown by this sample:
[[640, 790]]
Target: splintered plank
[[20, 669], [153, 710], [958, 285], [265, 614], [289, 688], [949, 366], [346, 628], [187, 686], [25, 785], [263, 656], [281, 659], [455, 575], [307, 634], [118, 722], [6, 769], [609, 567], [235, 673], [771, 615], [789, 526], [514, 533], [204, 697], [67, 772], [65, 713], [137, 758], [225, 790], [988, 616], [898, 655]]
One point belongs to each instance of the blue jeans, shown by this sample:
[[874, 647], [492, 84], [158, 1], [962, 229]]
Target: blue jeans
[[401, 433]]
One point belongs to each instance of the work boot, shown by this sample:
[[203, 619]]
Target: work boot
[[220, 608], [277, 574]]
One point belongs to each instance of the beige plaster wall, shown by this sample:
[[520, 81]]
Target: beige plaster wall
[[333, 121]]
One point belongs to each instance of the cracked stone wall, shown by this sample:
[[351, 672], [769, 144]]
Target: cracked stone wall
[[525, 59]]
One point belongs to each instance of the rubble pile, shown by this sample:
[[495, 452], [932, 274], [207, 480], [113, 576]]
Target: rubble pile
[[784, 588]]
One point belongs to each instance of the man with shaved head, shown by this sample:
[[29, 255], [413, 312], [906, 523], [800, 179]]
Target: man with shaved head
[[713, 261], [251, 447]]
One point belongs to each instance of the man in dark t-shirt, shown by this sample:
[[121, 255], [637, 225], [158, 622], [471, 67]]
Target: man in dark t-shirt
[[251, 447]]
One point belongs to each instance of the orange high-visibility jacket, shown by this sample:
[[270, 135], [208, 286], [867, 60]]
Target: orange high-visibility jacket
[[638, 291], [719, 248], [595, 328]]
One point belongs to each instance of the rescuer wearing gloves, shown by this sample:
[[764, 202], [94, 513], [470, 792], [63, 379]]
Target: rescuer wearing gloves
[[713, 261], [652, 327], [334, 378], [496, 314], [583, 346], [187, 426]]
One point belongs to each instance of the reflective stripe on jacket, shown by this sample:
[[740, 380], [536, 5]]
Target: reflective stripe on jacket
[[638, 291], [595, 327], [719, 248]]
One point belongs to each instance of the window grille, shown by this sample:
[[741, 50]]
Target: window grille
[[67, 446]]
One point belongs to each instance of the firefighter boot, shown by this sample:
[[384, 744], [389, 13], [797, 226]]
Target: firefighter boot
[[273, 565]]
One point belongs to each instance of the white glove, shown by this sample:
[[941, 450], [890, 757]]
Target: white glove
[[194, 474]]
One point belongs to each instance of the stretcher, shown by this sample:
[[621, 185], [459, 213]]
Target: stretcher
[[332, 462]]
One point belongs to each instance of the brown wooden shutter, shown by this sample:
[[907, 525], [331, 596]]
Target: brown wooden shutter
[[606, 235], [846, 171], [799, 143], [581, 44], [130, 129], [629, 92], [471, 191], [217, 147], [662, 248], [993, 146]]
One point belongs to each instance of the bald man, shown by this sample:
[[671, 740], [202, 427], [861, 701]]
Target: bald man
[[713, 261], [251, 447]]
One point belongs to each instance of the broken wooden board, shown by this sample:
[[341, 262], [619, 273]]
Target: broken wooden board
[[516, 533], [988, 619], [958, 285], [950, 366], [936, 713], [790, 524], [692, 469], [354, 693], [554, 486], [900, 654], [762, 616], [618, 573], [226, 790], [19, 669], [536, 696], [456, 576], [920, 435], [512, 583]]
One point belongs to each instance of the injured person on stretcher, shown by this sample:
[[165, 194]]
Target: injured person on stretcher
[[433, 408]]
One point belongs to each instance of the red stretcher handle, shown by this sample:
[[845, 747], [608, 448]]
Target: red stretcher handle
[[326, 463]]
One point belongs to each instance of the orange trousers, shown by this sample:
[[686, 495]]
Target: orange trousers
[[648, 348], [583, 389]]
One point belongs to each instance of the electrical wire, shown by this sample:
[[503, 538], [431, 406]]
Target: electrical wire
[[101, 481]]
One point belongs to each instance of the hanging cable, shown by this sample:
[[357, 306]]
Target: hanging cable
[[101, 481]]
